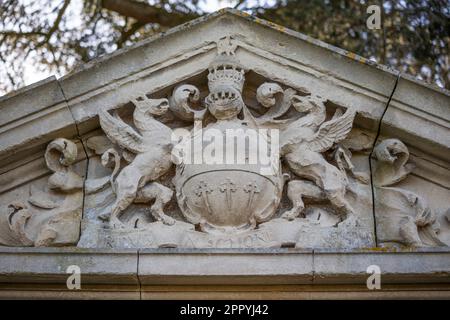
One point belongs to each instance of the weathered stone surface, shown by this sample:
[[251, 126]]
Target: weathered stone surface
[[268, 266], [311, 233], [166, 60], [395, 267], [154, 235], [127, 183], [46, 212], [411, 175], [49, 265], [418, 115], [403, 212], [225, 267], [31, 118]]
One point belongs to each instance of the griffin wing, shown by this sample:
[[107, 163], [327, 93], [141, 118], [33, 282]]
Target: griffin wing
[[121, 133], [331, 132]]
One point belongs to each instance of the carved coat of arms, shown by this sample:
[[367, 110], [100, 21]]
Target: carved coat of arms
[[201, 168], [226, 195]]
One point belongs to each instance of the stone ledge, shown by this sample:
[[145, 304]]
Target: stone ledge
[[418, 115], [49, 265], [32, 117], [225, 267], [423, 266], [97, 292], [29, 100]]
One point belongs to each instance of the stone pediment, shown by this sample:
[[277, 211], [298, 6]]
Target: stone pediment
[[86, 160], [268, 50]]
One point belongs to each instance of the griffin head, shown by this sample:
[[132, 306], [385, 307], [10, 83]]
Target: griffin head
[[307, 103], [144, 105]]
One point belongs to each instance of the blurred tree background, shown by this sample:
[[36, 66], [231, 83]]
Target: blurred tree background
[[52, 36]]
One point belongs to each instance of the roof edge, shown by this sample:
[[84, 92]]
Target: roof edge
[[247, 17]]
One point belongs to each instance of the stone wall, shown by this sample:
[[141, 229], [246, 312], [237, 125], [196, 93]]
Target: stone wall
[[102, 162]]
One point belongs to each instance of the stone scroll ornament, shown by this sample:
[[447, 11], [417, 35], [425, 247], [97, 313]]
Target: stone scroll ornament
[[49, 217], [402, 216]]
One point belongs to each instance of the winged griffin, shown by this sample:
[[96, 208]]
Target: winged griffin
[[249, 197], [151, 148], [302, 143]]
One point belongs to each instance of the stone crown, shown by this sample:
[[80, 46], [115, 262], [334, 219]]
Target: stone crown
[[226, 71]]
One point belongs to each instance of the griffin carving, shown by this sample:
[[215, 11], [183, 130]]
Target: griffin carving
[[302, 143], [152, 149]]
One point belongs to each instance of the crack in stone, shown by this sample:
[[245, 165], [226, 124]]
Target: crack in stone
[[137, 274], [80, 139], [380, 123]]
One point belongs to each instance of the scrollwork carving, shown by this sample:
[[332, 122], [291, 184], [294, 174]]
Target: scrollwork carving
[[53, 216], [404, 216]]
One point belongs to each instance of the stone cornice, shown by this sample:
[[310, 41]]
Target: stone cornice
[[140, 268]]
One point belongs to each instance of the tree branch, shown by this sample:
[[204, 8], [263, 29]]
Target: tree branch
[[57, 20], [10, 33], [126, 34], [145, 13]]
